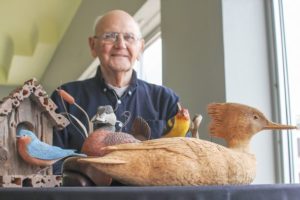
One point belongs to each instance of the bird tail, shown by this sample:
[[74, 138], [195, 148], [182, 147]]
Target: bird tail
[[195, 124], [140, 129], [73, 155], [79, 155], [101, 160]]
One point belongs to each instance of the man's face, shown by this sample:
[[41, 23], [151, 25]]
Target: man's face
[[121, 54]]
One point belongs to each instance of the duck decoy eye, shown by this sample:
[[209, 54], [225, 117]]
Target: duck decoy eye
[[255, 117]]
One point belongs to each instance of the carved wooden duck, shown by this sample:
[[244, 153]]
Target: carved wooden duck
[[191, 161], [82, 174]]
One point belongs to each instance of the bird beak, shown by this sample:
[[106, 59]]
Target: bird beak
[[272, 125], [98, 119], [179, 106]]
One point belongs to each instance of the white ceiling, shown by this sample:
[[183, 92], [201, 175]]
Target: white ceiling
[[30, 31], [47, 39]]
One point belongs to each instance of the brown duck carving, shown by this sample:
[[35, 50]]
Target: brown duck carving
[[191, 161]]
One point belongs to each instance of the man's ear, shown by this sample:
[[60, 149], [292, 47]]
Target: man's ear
[[92, 47], [142, 45]]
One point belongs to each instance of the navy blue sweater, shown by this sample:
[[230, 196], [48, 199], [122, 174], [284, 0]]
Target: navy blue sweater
[[156, 104]]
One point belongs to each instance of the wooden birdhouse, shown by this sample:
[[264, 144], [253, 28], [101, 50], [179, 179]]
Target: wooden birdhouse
[[28, 106]]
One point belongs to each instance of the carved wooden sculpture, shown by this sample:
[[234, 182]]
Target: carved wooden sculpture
[[26, 107], [179, 125], [191, 161], [82, 174]]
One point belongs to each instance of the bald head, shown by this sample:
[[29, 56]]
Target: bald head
[[118, 44], [114, 19]]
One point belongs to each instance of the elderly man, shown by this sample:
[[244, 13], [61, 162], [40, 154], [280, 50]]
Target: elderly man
[[118, 44]]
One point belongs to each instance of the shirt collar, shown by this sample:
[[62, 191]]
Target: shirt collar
[[100, 79]]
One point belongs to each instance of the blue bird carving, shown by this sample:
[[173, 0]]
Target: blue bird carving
[[36, 152]]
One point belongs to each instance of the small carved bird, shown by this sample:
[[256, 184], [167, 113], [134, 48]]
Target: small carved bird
[[105, 118], [35, 152], [178, 126], [195, 124], [191, 161]]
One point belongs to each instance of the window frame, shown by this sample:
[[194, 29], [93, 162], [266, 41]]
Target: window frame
[[285, 140]]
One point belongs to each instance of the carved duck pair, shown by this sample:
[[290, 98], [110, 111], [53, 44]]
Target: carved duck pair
[[191, 161]]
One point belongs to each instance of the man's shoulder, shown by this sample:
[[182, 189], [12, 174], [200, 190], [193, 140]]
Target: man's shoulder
[[156, 89], [79, 84], [76, 88]]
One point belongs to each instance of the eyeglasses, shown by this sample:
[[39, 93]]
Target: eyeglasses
[[112, 37]]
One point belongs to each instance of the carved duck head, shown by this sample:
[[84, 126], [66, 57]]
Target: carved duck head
[[237, 123]]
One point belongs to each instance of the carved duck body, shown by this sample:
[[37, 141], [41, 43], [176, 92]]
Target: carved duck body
[[176, 161], [191, 161]]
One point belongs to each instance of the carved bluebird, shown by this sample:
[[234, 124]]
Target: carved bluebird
[[36, 152]]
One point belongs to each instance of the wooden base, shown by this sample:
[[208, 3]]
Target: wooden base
[[30, 181]]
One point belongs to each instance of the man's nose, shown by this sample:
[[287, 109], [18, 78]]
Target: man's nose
[[120, 42]]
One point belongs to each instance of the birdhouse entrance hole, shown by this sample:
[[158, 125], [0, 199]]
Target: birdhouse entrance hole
[[25, 125], [27, 182]]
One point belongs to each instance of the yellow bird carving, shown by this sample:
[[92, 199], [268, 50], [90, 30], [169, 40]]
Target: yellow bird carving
[[179, 125]]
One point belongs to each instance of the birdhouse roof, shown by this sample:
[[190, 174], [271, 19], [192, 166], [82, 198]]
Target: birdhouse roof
[[33, 90]]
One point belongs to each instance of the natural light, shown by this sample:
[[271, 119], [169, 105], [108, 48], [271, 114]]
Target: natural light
[[150, 67], [291, 67], [292, 32]]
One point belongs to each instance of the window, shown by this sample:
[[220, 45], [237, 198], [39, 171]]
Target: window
[[287, 27], [150, 67]]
